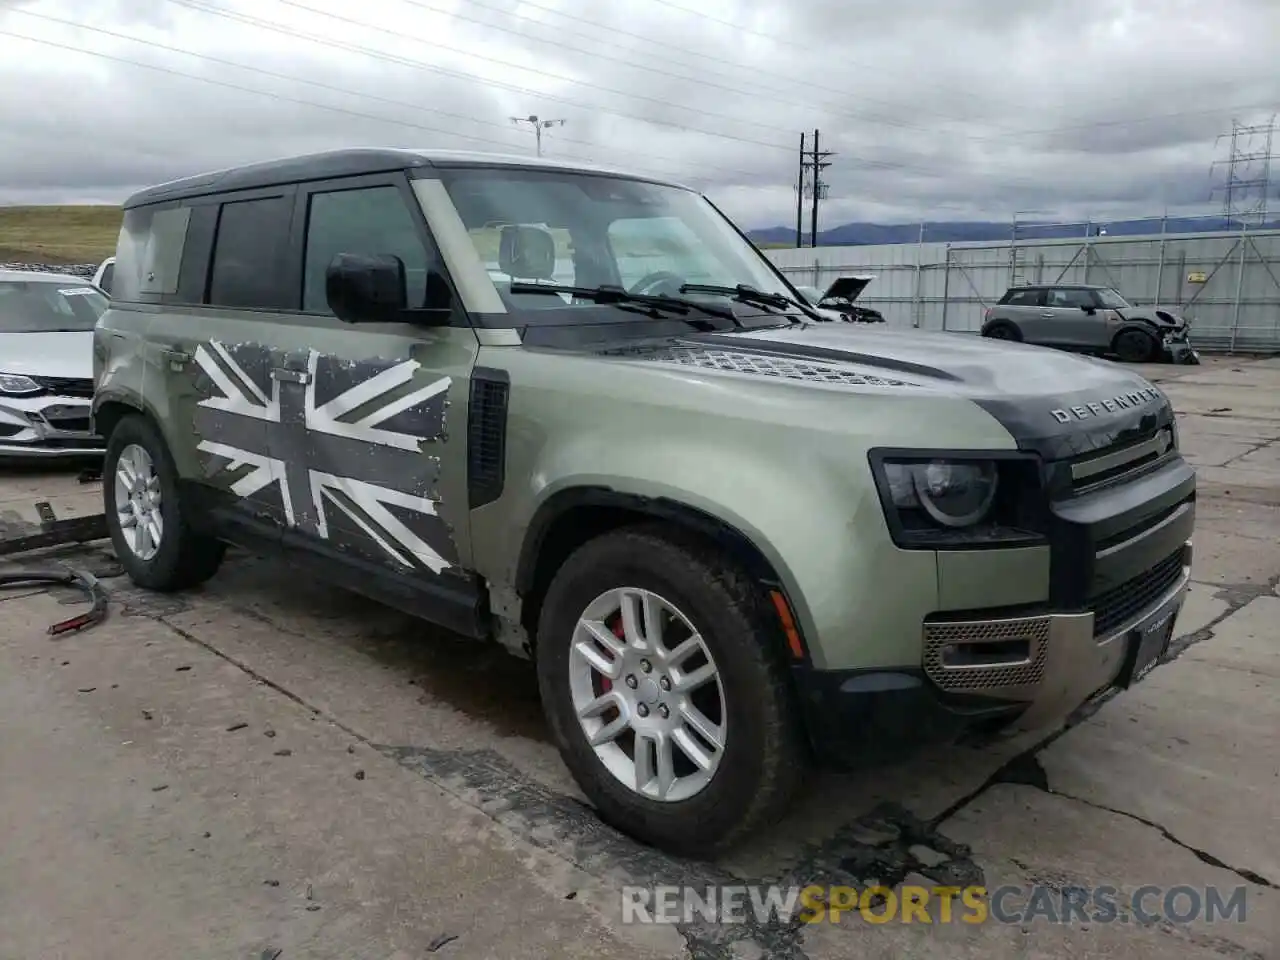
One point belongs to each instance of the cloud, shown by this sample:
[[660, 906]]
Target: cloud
[[942, 109]]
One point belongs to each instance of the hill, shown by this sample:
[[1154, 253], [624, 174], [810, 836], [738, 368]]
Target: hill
[[58, 235], [959, 231]]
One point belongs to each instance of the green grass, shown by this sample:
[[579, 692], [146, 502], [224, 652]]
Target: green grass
[[58, 235]]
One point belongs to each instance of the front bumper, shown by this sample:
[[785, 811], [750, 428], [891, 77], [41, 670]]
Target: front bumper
[[44, 427], [1120, 562], [881, 715], [1177, 348]]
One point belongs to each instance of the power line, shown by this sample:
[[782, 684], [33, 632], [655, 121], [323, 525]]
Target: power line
[[281, 97], [863, 161], [665, 45], [1020, 107], [379, 55], [348, 92], [808, 103], [551, 75], [295, 34]]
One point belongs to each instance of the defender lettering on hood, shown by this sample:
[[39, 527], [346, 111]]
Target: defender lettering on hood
[[1128, 401]]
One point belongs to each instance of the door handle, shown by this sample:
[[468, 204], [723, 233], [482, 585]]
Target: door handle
[[1046, 316], [177, 358], [285, 375]]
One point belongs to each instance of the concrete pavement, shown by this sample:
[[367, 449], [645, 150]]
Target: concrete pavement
[[263, 766]]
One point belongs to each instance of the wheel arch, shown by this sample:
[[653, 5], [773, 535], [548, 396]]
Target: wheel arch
[[1001, 322], [571, 517], [112, 407]]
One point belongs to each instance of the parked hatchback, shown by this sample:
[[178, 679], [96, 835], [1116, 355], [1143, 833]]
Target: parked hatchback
[[1089, 319]]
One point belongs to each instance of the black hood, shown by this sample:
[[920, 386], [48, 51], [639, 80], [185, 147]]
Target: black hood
[[847, 288], [1058, 404]]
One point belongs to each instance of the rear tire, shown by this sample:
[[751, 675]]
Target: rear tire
[[1002, 331], [140, 492], [1134, 346], [748, 708]]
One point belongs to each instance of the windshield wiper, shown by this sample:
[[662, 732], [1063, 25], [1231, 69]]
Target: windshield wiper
[[742, 291], [608, 293]]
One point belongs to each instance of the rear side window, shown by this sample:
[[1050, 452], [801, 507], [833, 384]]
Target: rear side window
[[367, 220], [149, 252], [107, 272], [1022, 298], [247, 253]]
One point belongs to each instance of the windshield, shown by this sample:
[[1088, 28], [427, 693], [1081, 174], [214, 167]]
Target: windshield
[[41, 306], [589, 231], [1111, 300]]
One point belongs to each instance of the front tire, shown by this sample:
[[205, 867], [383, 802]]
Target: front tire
[[666, 693], [150, 531], [1002, 331], [1135, 346]]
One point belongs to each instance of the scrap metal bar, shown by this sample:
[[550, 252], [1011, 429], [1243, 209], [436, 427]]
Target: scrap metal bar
[[58, 532]]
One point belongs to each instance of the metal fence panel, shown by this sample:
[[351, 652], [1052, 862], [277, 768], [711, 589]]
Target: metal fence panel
[[1227, 283]]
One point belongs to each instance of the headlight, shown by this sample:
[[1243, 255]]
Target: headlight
[[17, 383], [953, 494], [962, 500]]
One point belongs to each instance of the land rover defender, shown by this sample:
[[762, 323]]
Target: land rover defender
[[576, 412]]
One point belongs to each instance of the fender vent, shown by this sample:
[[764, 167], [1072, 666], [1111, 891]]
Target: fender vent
[[487, 435]]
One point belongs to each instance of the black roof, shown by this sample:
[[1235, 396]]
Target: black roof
[[344, 163], [1060, 286]]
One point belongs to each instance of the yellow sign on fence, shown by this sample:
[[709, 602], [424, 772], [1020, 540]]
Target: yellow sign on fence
[[1195, 276]]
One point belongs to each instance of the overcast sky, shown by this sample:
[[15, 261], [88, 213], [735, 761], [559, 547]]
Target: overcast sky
[[941, 109]]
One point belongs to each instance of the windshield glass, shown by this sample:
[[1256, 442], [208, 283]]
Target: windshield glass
[[42, 306], [1111, 300], [585, 230]]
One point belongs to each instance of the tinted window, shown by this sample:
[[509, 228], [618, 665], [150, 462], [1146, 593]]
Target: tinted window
[[149, 252], [1022, 298], [1071, 298], [39, 306], [371, 220], [246, 254]]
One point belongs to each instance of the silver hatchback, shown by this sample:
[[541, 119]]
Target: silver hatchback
[[1089, 319]]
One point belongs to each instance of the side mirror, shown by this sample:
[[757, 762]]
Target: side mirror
[[363, 288], [1088, 309]]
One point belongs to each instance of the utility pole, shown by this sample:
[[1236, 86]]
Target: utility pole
[[1247, 188], [800, 198], [538, 126], [814, 161]]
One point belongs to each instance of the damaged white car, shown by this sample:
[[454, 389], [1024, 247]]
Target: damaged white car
[[46, 365]]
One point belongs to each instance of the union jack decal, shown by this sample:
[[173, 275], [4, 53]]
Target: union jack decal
[[318, 449]]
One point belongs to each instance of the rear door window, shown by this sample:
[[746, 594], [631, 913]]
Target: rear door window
[[1024, 298]]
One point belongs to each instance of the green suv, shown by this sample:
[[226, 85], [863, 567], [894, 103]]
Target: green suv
[[575, 412]]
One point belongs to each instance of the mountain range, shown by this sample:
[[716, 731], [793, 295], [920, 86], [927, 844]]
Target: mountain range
[[960, 231]]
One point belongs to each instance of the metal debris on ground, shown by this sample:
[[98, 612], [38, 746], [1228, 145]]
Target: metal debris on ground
[[55, 533], [440, 941], [86, 581]]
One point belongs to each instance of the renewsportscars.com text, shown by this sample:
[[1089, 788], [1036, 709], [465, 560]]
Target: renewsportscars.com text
[[941, 904]]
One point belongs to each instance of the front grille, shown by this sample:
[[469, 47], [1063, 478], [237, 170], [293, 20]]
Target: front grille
[[1119, 460], [67, 386], [1018, 649], [1115, 607], [75, 424]]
